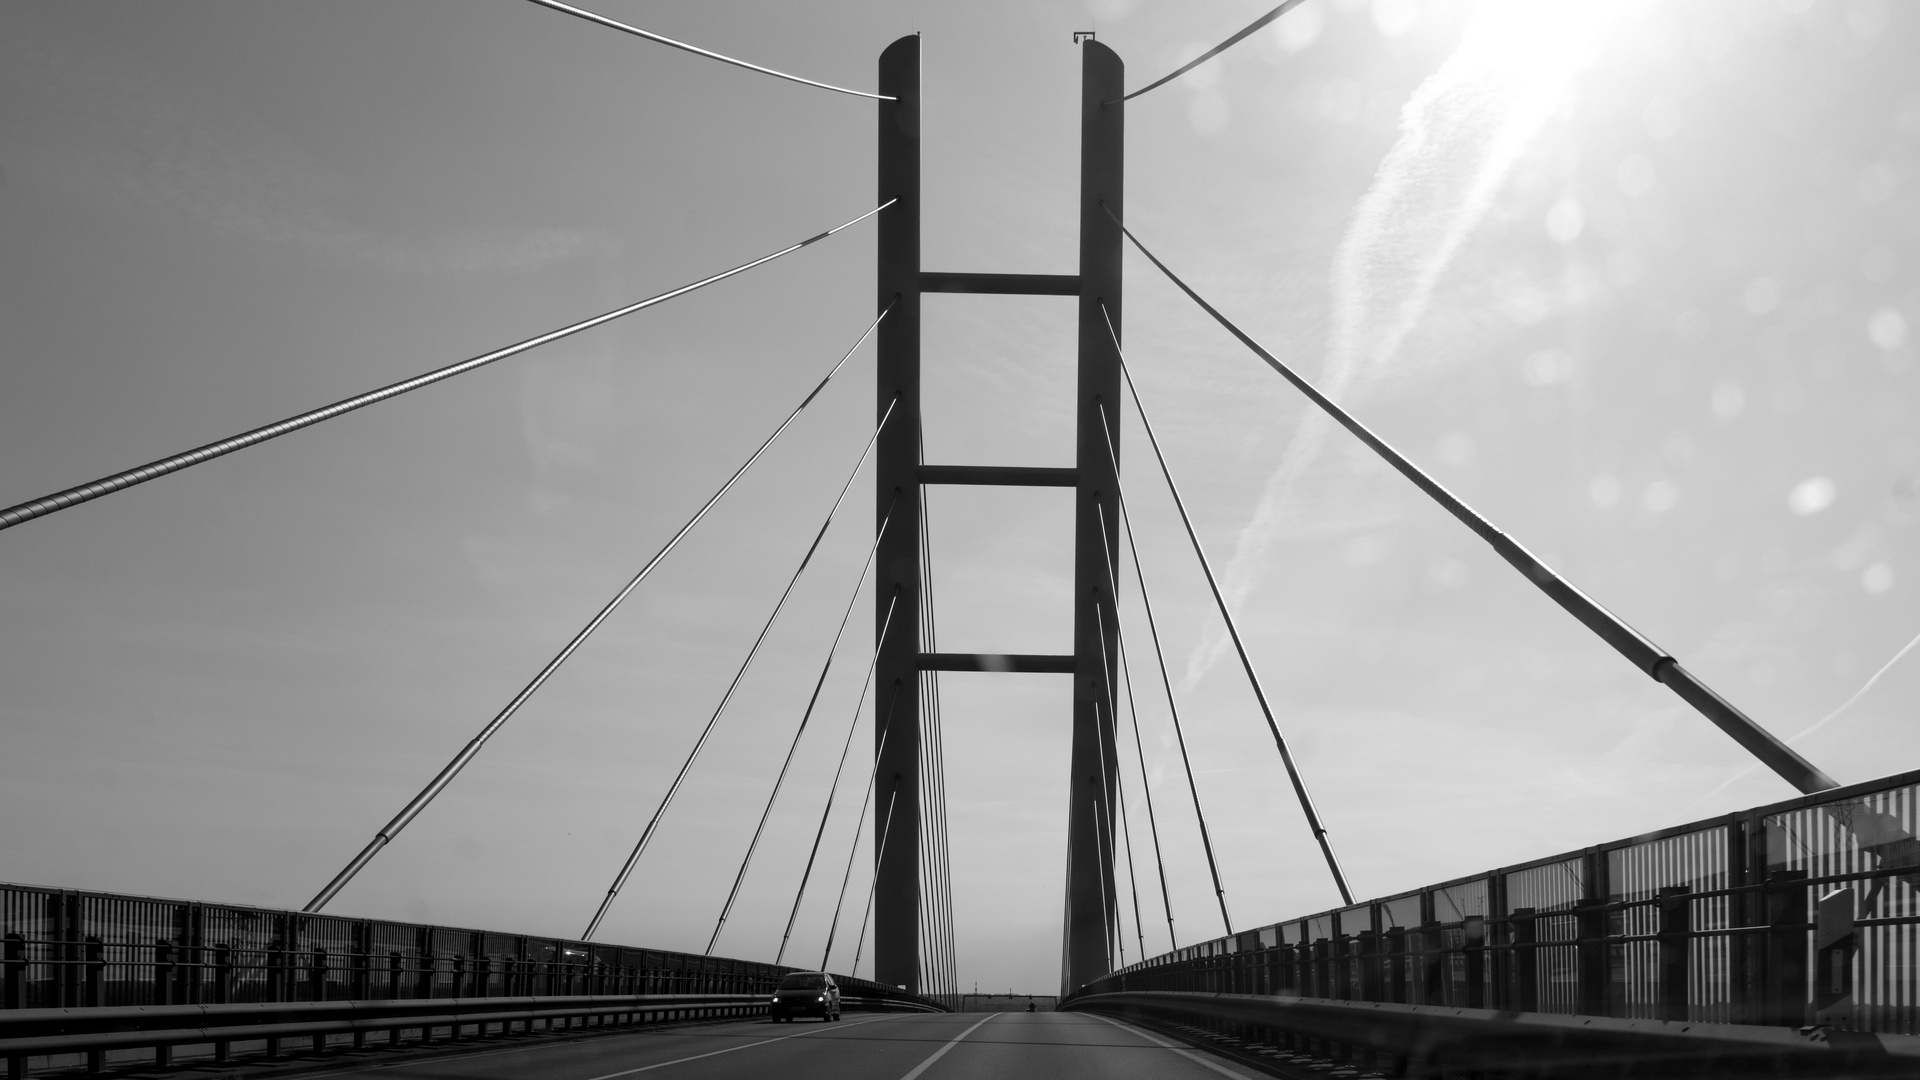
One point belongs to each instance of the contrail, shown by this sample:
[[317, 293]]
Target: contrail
[[1817, 724], [1461, 133]]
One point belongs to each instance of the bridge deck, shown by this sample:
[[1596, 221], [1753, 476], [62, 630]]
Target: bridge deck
[[1003, 1046]]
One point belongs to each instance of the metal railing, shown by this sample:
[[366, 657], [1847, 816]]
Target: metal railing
[[159, 1029], [1804, 913], [1391, 1039], [71, 958]]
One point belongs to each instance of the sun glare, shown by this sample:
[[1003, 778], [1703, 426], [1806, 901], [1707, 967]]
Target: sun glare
[[1537, 44]]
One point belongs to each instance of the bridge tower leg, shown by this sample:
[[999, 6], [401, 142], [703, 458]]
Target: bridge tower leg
[[1092, 903], [896, 699]]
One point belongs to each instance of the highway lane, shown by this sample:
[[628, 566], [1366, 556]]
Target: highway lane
[[949, 1046]]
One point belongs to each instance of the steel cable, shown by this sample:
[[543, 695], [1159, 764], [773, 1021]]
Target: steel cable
[[943, 865], [827, 810], [1119, 932], [1103, 852], [1126, 834], [1113, 710], [439, 783], [1133, 712], [1656, 662], [873, 776], [1203, 57], [807, 715], [602, 20], [666, 800], [1314, 824], [1173, 709], [74, 496], [859, 942]]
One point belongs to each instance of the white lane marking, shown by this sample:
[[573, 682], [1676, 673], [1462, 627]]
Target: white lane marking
[[1195, 1058], [731, 1049], [940, 1053]]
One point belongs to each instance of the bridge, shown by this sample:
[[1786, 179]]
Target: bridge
[[1777, 938]]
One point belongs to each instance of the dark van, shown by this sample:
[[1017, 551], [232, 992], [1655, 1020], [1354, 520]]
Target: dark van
[[805, 993]]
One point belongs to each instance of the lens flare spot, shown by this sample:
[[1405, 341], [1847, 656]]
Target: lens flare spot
[[1565, 221], [1812, 495], [1887, 328], [1728, 400], [1877, 578]]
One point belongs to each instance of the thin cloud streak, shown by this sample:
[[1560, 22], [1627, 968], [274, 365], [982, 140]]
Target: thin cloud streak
[[1461, 133], [1817, 724]]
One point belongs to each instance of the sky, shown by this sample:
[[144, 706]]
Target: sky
[[1639, 282]]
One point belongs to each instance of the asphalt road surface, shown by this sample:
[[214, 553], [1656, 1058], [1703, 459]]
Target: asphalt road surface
[[945, 1046]]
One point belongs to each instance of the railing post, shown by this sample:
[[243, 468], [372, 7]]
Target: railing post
[[1786, 948], [13, 972], [271, 960], [1834, 945], [1524, 968], [317, 990], [282, 959], [1473, 947], [1590, 918], [222, 993], [65, 912], [162, 994], [191, 972], [317, 976], [1433, 965], [1676, 946], [1497, 947], [162, 972], [278, 963], [1373, 960], [1396, 973], [1746, 858], [362, 961], [222, 974], [1340, 967]]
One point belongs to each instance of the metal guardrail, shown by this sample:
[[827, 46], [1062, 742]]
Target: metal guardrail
[[27, 1033], [101, 967], [1799, 913], [1428, 1040], [63, 948]]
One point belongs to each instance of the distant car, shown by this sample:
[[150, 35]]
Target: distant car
[[805, 993]]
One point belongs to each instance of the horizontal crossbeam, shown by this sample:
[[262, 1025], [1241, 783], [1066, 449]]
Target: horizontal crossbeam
[[1024, 662], [999, 475], [1007, 284]]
